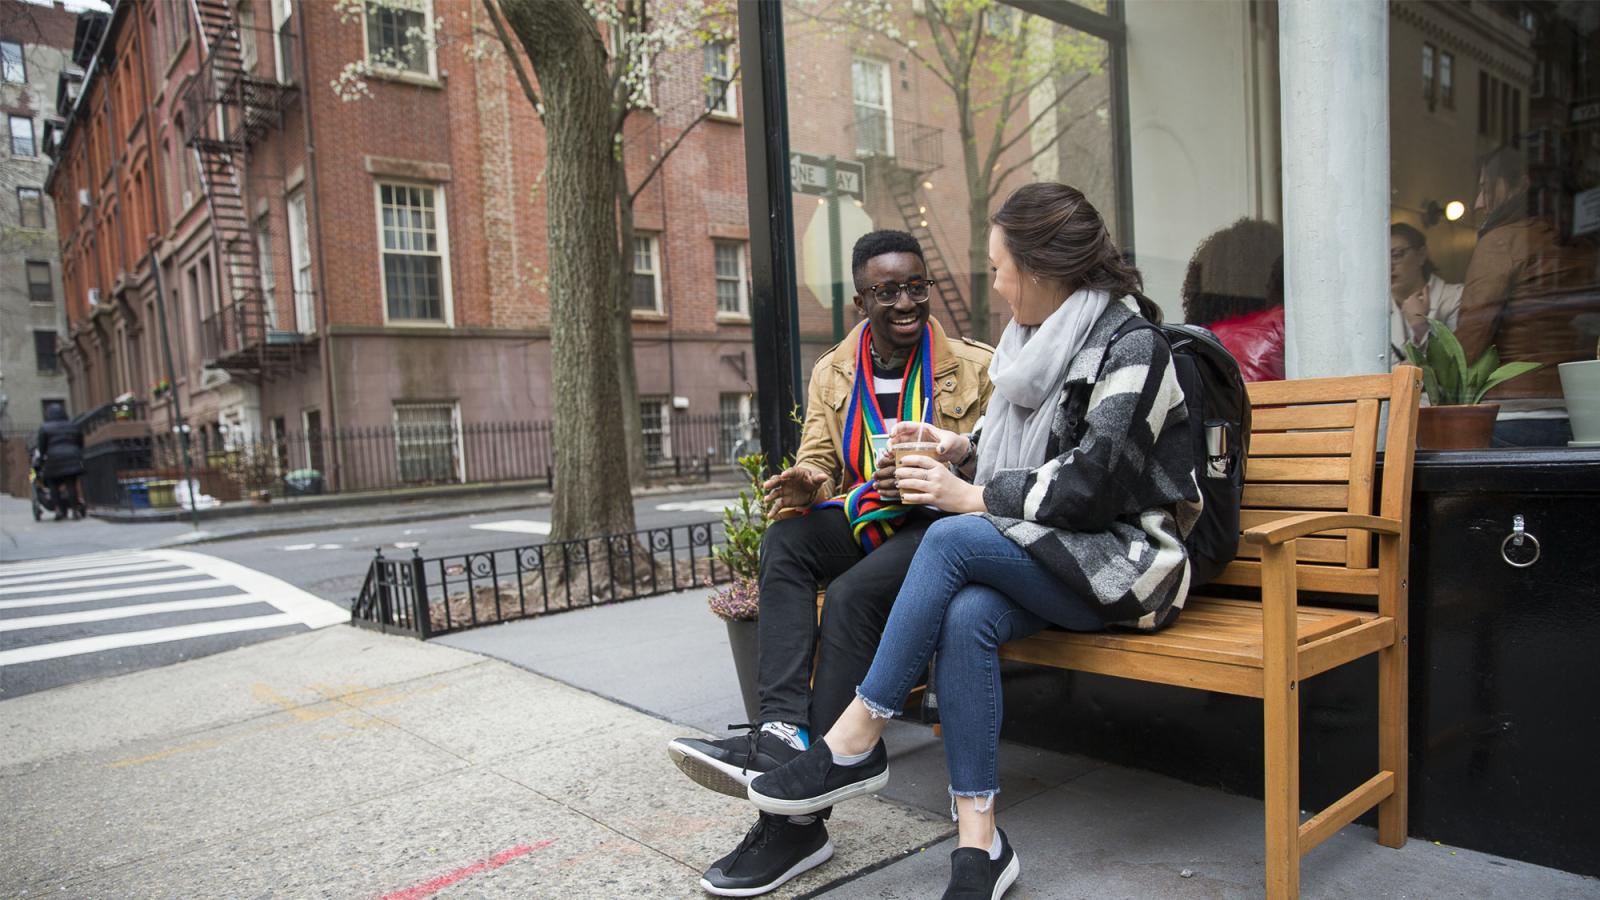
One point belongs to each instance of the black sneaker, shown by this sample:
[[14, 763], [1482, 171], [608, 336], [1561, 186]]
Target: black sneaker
[[772, 852], [727, 766], [813, 782], [974, 876]]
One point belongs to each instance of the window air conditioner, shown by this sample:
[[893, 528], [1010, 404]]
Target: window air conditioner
[[83, 197], [94, 296]]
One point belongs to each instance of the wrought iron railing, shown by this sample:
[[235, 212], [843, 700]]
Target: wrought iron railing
[[429, 596], [912, 145]]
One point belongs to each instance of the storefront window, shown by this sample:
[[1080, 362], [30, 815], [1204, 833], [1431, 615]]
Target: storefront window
[[921, 116], [1496, 218]]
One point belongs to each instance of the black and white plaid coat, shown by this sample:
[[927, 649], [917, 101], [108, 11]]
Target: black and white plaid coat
[[1105, 514]]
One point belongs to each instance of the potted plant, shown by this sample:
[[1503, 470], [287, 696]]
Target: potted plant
[[1456, 417], [737, 603]]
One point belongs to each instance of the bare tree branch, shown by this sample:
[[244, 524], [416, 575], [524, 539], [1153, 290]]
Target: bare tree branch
[[512, 51], [1060, 133], [1050, 107]]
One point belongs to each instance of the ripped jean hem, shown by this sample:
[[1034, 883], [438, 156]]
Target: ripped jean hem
[[874, 709], [980, 796]]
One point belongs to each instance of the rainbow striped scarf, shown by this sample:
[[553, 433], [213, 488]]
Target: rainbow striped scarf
[[871, 518]]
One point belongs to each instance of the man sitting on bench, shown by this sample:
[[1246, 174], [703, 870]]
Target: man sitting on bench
[[853, 536]]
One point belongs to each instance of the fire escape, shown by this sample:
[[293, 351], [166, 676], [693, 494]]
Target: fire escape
[[228, 109], [899, 155]]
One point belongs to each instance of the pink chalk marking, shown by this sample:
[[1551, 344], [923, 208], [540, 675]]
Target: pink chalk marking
[[429, 888]]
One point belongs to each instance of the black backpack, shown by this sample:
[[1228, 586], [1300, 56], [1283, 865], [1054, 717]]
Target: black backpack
[[1219, 436]]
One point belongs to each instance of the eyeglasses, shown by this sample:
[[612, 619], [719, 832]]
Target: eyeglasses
[[888, 293], [1398, 253]]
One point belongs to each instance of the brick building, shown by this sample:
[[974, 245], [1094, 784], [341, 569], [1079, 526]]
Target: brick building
[[335, 264], [35, 54]]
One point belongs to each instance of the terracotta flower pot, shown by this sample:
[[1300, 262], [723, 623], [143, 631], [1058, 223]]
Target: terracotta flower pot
[[1460, 427]]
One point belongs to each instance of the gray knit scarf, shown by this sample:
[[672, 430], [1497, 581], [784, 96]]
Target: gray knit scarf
[[1028, 369]]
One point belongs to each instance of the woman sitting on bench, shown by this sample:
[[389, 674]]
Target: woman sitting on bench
[[1081, 481]]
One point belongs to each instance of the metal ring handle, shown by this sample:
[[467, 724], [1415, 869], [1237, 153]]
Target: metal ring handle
[[1518, 535]]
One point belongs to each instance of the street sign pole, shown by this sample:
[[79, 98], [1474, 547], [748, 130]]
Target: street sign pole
[[835, 261]]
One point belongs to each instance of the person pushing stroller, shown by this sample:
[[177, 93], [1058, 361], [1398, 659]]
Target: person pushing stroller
[[58, 462]]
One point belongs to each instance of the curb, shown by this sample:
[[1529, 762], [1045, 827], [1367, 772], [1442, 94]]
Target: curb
[[538, 501]]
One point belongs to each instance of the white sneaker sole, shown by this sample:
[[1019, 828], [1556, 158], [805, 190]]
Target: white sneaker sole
[[711, 773], [814, 804], [1008, 877], [823, 854]]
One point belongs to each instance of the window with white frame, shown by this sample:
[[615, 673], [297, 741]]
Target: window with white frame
[[736, 423], [41, 289], [415, 277], [283, 39], [721, 98], [655, 415], [399, 35], [22, 142], [30, 207], [428, 441], [732, 294], [646, 273], [627, 50], [869, 84], [269, 279], [1447, 80], [1427, 74], [12, 67], [305, 318]]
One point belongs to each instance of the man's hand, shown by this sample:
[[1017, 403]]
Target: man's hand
[[925, 481], [884, 478], [952, 446], [792, 488], [1415, 310]]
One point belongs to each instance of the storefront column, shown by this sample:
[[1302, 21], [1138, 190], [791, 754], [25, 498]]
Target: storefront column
[[1333, 61]]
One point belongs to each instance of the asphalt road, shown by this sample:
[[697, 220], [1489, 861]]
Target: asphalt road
[[332, 563], [82, 600]]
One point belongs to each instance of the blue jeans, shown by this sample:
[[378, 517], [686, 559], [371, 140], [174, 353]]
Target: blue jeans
[[970, 589]]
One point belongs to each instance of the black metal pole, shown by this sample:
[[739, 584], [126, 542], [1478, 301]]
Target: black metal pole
[[172, 391], [774, 314]]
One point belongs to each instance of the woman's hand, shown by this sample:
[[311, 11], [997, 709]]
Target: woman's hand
[[923, 480], [952, 446], [792, 488]]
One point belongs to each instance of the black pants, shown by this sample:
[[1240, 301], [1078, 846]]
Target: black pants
[[797, 556], [64, 494]]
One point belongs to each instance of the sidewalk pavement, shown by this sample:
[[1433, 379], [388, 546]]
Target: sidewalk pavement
[[25, 539], [343, 763]]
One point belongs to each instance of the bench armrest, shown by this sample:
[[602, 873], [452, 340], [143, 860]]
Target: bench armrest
[[1291, 527]]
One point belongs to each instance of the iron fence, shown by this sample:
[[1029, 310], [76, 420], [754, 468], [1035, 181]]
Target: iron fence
[[429, 596], [133, 472]]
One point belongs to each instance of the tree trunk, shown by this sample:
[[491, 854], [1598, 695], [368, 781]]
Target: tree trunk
[[627, 376], [591, 466], [978, 188]]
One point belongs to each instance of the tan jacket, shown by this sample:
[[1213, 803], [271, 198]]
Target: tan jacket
[[1524, 287], [961, 388]]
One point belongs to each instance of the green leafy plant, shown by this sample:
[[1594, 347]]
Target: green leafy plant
[[1447, 378]]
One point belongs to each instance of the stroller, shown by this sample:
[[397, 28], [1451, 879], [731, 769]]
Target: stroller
[[40, 495]]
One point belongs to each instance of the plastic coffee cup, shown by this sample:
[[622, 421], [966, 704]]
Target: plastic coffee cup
[[929, 449]]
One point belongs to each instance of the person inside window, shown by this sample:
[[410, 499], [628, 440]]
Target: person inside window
[[1234, 287], [1526, 287], [1417, 292], [1080, 484]]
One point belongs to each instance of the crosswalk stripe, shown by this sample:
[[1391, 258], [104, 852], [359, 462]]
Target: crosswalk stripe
[[98, 582], [116, 593], [307, 609], [68, 561], [124, 612], [100, 643], [8, 581]]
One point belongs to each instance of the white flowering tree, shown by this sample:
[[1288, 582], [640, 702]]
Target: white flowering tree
[[597, 69], [1019, 84]]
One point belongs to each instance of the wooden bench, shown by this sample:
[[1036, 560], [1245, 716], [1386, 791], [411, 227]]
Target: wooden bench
[[1307, 524]]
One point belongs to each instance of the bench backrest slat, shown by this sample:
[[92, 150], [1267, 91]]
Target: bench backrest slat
[[1313, 447]]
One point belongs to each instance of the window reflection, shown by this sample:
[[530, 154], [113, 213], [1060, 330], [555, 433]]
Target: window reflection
[[1517, 272]]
